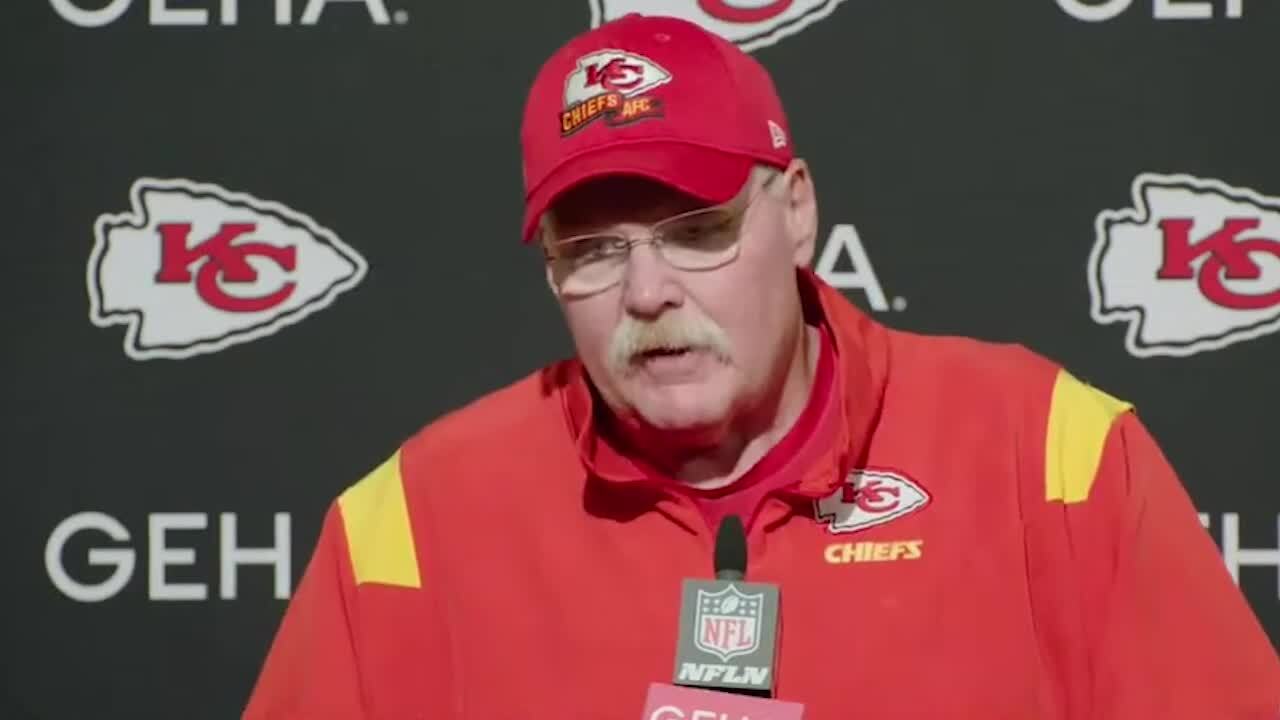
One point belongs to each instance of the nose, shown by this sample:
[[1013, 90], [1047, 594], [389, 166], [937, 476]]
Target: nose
[[649, 285]]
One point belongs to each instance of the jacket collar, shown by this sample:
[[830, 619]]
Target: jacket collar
[[861, 350]]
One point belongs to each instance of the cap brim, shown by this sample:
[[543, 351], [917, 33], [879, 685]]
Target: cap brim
[[713, 176]]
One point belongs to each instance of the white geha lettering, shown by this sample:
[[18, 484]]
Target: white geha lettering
[[1236, 557], [163, 553], [160, 14], [1160, 9]]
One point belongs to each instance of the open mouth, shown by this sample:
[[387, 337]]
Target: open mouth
[[670, 364], [665, 352]]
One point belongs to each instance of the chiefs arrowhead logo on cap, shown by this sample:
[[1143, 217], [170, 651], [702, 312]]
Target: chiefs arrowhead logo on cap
[[611, 84], [869, 498]]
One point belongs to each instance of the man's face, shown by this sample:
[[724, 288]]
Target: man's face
[[679, 350]]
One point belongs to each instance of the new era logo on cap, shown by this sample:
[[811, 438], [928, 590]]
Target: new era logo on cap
[[777, 135]]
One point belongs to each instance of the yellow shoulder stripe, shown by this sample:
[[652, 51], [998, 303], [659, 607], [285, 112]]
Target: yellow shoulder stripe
[[376, 520], [1080, 418]]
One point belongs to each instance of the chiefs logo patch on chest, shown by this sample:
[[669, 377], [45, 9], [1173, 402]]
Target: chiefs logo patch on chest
[[868, 498]]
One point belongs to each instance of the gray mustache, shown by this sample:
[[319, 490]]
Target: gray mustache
[[633, 337]]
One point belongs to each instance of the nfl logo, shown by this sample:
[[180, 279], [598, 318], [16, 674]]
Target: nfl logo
[[728, 622]]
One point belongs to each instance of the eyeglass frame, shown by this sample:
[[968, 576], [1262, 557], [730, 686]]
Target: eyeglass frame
[[649, 236]]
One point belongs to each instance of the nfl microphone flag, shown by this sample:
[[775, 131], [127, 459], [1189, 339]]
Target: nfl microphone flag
[[727, 636], [729, 621]]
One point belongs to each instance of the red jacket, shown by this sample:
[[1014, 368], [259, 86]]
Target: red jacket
[[988, 538]]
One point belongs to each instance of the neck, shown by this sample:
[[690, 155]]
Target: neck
[[719, 461]]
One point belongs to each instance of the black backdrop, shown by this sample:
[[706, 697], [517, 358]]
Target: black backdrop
[[964, 153]]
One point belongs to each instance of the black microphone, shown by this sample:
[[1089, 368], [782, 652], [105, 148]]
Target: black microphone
[[730, 557], [728, 628]]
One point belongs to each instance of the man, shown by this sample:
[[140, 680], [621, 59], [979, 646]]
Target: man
[[957, 529]]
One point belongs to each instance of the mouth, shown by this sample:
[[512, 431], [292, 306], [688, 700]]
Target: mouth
[[671, 364], [663, 352]]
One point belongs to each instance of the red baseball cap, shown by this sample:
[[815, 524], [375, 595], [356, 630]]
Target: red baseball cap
[[656, 97]]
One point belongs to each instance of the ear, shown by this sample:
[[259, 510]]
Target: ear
[[551, 281], [801, 208], [544, 228]]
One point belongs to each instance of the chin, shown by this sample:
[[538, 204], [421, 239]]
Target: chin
[[683, 412]]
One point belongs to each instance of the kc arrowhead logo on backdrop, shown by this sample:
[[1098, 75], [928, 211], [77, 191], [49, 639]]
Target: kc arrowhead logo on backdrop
[[1194, 265], [749, 23], [869, 498], [195, 268]]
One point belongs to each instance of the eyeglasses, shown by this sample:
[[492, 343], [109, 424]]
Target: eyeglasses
[[697, 240]]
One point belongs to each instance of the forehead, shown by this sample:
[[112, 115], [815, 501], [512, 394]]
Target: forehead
[[608, 201]]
